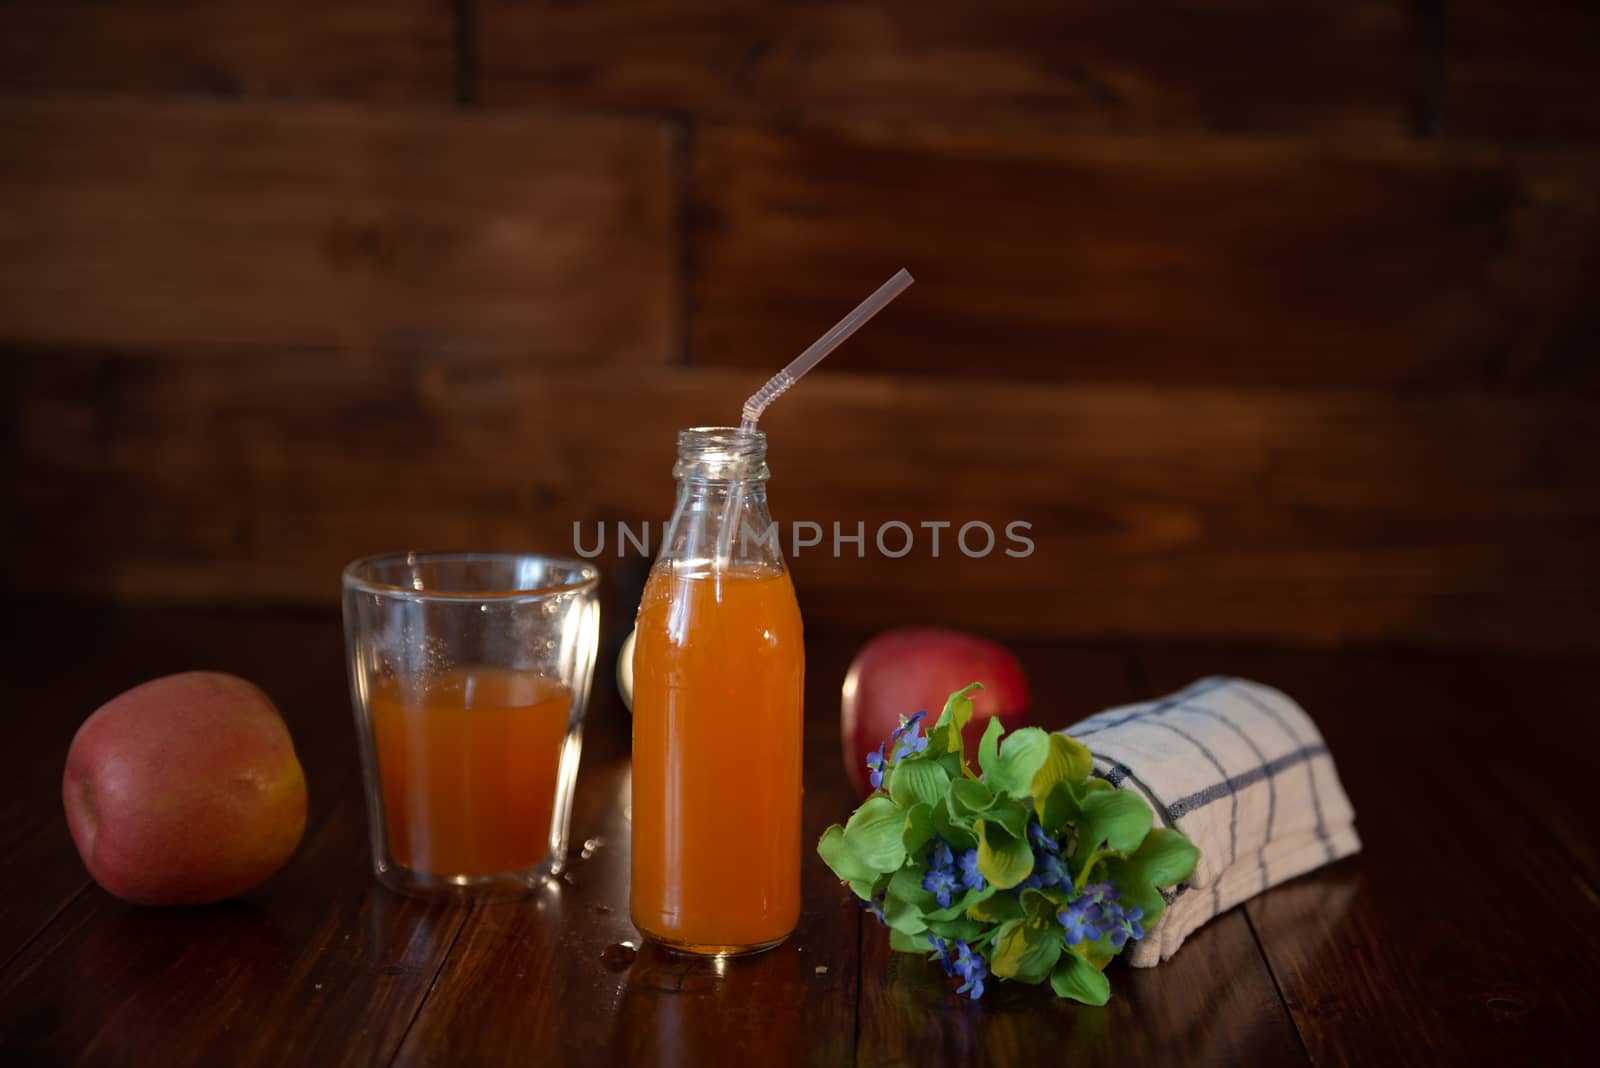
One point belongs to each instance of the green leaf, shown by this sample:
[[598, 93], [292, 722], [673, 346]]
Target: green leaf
[[1166, 857], [1075, 978], [1118, 818], [1010, 813], [960, 905], [1025, 951], [989, 748], [903, 916], [964, 929], [873, 834], [843, 860], [906, 901], [1068, 761], [918, 781], [906, 885], [1145, 896], [1041, 906], [901, 942], [968, 799], [959, 834], [1064, 802], [1058, 807], [997, 909], [1136, 892], [1007, 946], [946, 734], [1020, 759], [919, 827], [1003, 858], [863, 890], [958, 707]]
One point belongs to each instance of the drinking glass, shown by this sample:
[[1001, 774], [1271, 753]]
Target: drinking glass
[[469, 674]]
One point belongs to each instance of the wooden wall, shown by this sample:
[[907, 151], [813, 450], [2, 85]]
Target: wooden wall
[[1273, 319]]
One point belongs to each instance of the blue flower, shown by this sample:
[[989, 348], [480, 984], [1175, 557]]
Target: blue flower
[[1078, 921], [1102, 891], [1096, 910], [875, 906], [940, 882], [907, 725], [875, 766], [971, 877], [910, 731], [913, 741], [1127, 926], [1041, 841], [943, 950], [1049, 870], [972, 968], [1093, 912]]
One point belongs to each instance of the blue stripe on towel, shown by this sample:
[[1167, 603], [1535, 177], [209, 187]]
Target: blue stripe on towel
[[1261, 761], [1233, 800], [1115, 773], [1311, 769], [1201, 798]]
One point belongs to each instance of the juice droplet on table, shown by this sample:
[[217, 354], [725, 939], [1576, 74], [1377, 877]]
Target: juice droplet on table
[[619, 955]]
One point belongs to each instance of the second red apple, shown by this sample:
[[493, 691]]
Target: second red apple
[[900, 672]]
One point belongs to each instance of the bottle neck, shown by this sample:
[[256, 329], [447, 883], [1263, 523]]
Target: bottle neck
[[720, 517], [725, 454]]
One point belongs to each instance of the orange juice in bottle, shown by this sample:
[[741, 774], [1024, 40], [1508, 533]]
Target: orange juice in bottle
[[718, 677]]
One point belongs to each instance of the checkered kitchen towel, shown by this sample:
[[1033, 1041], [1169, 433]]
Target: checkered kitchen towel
[[1241, 770]]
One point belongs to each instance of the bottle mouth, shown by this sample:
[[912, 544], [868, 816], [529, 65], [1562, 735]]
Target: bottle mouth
[[721, 454]]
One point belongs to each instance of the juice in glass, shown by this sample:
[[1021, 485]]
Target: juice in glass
[[468, 761]]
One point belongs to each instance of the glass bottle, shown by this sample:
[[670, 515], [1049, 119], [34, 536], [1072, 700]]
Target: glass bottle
[[718, 670]]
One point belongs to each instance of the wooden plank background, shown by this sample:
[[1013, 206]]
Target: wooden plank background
[[1162, 259], [1253, 65], [193, 224], [1272, 320], [379, 50]]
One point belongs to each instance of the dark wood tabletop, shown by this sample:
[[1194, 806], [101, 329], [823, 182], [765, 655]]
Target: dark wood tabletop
[[1466, 930]]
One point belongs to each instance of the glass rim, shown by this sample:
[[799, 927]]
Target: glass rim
[[353, 578]]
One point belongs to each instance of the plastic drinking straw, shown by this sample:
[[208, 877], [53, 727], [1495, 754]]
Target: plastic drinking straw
[[779, 383]]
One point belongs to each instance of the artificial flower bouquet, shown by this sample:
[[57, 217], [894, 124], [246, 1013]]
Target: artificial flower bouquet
[[1031, 869]]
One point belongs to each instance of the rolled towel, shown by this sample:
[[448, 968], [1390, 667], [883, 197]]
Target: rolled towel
[[1241, 770]]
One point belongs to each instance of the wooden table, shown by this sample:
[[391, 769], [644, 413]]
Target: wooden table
[[1467, 930]]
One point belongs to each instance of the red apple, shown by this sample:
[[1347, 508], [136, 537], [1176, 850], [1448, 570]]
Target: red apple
[[901, 672], [184, 790]]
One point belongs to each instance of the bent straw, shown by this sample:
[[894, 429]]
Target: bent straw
[[780, 382]]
